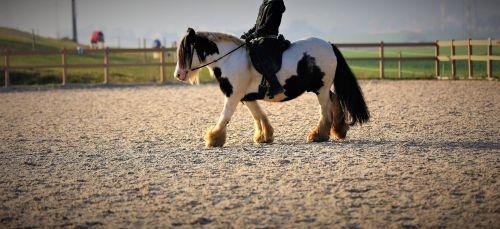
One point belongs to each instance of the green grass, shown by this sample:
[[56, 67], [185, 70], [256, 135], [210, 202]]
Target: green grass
[[17, 40]]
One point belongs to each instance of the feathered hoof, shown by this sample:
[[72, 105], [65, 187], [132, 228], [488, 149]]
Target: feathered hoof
[[263, 139], [215, 138], [340, 132], [317, 137]]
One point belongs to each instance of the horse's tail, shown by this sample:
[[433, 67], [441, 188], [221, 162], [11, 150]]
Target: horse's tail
[[348, 92]]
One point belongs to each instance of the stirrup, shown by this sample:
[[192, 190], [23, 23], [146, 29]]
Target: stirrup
[[275, 90]]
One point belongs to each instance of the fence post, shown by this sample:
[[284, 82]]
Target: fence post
[[106, 61], [7, 80], [64, 76], [381, 63], [436, 62], [469, 53], [174, 45], [453, 66], [399, 65], [162, 67], [489, 70]]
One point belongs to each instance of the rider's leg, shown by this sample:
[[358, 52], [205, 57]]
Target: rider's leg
[[264, 47], [275, 88]]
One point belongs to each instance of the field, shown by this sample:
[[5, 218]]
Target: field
[[133, 156], [17, 40]]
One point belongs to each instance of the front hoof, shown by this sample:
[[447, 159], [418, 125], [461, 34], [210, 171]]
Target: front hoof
[[215, 138], [316, 137]]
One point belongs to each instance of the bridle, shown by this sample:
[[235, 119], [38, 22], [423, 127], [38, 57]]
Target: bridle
[[193, 47]]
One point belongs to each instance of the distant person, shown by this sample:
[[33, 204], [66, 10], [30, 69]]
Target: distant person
[[266, 29], [97, 40]]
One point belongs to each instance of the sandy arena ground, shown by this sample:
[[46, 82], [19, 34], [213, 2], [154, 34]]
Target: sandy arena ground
[[134, 157]]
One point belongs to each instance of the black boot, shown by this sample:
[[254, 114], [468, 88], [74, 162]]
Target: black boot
[[275, 88]]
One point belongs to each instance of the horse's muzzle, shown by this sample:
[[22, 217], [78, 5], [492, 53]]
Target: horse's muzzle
[[181, 75]]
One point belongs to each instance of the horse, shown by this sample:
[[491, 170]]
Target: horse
[[308, 65]]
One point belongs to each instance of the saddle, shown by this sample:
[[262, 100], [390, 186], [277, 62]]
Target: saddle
[[273, 61], [275, 58]]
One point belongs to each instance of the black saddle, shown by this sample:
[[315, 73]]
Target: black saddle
[[275, 58]]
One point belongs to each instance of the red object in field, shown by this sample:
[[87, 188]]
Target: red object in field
[[97, 36]]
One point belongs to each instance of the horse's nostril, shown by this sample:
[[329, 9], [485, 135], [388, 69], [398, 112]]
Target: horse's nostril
[[178, 75]]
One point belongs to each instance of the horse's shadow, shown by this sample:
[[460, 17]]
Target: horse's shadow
[[367, 144]]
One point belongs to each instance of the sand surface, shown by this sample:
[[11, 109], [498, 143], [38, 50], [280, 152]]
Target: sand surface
[[134, 156]]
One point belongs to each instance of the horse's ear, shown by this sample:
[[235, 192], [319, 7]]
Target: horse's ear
[[191, 35], [191, 31]]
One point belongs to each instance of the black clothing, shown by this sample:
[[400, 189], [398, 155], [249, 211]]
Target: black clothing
[[268, 23], [269, 18]]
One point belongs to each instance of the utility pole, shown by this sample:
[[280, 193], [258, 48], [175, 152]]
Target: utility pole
[[144, 51], [73, 8], [57, 20], [33, 39]]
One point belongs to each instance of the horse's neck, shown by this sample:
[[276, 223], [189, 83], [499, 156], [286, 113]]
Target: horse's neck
[[225, 47]]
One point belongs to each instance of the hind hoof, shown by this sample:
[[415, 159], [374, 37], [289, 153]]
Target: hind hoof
[[315, 137], [340, 132]]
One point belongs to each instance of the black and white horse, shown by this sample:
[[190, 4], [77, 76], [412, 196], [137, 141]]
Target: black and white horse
[[309, 65]]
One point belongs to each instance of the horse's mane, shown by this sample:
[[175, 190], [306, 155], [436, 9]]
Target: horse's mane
[[220, 36]]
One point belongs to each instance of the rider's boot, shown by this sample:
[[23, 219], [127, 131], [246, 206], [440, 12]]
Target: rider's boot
[[275, 88]]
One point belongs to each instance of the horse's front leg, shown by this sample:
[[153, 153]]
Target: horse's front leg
[[216, 135]]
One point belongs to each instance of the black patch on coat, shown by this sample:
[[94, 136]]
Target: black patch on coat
[[309, 78], [205, 47], [224, 84], [251, 97]]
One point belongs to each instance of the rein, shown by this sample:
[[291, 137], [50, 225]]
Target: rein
[[192, 55]]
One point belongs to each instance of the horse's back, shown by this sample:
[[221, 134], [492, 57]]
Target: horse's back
[[311, 48]]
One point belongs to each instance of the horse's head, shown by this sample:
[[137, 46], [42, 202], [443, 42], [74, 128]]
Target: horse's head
[[193, 51], [185, 57]]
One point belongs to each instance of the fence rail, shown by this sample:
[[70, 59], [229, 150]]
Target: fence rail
[[437, 58], [64, 52]]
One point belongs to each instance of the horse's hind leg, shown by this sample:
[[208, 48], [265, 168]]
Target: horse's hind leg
[[339, 127], [322, 131], [263, 129]]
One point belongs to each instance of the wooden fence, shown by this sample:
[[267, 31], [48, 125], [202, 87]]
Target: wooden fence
[[64, 52], [489, 57], [381, 58]]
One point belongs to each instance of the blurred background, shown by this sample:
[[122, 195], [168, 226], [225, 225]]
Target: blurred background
[[71, 24], [126, 23]]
